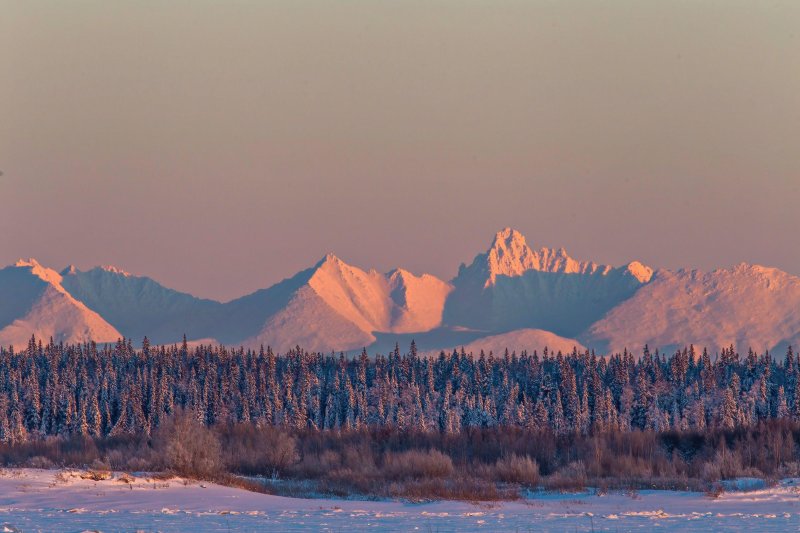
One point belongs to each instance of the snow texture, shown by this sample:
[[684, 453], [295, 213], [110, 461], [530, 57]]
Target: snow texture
[[48, 501]]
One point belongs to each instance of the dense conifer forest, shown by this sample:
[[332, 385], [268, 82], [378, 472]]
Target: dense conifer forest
[[452, 420]]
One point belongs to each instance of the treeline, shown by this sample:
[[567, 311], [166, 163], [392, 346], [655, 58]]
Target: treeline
[[452, 426], [474, 464], [114, 390]]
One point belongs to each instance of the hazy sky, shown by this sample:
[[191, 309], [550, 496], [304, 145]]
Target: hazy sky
[[222, 146]]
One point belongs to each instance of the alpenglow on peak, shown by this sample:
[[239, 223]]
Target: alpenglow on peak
[[511, 256]]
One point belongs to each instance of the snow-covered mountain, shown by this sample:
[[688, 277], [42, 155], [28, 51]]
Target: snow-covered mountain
[[747, 306], [512, 286], [336, 306], [512, 296], [140, 306], [33, 302], [522, 339], [331, 306]]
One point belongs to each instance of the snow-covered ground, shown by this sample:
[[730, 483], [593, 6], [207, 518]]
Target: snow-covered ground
[[47, 500]]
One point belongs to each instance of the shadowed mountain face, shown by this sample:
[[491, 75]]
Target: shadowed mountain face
[[512, 286], [748, 306], [512, 294], [330, 306], [139, 306], [33, 301]]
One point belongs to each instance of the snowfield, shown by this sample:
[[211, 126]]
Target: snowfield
[[50, 500]]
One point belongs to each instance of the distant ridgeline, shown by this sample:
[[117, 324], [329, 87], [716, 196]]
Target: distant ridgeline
[[512, 295], [84, 390]]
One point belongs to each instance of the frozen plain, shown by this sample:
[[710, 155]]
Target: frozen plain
[[51, 500]]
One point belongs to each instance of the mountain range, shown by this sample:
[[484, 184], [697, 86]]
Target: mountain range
[[511, 296]]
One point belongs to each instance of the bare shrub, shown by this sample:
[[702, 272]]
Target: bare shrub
[[360, 458], [187, 447], [98, 464], [330, 459], [369, 461], [117, 459], [724, 465], [39, 461], [413, 464], [342, 481], [266, 451], [790, 469], [139, 464], [280, 451], [715, 490], [517, 469], [315, 465], [460, 488], [730, 463], [571, 477]]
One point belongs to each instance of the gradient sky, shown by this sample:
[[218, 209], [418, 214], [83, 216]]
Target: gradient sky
[[222, 146]]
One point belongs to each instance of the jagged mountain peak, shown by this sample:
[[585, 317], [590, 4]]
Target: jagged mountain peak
[[334, 305], [72, 270], [111, 269], [641, 272], [403, 274], [508, 237], [399, 275], [332, 264], [510, 255], [329, 258], [331, 267], [45, 274], [30, 262], [759, 270], [513, 286]]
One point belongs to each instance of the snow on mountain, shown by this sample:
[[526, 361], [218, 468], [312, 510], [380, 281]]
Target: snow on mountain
[[308, 321], [512, 286], [336, 306], [33, 302], [510, 256], [523, 339], [418, 301], [359, 297], [139, 306], [512, 296], [330, 306], [747, 306]]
